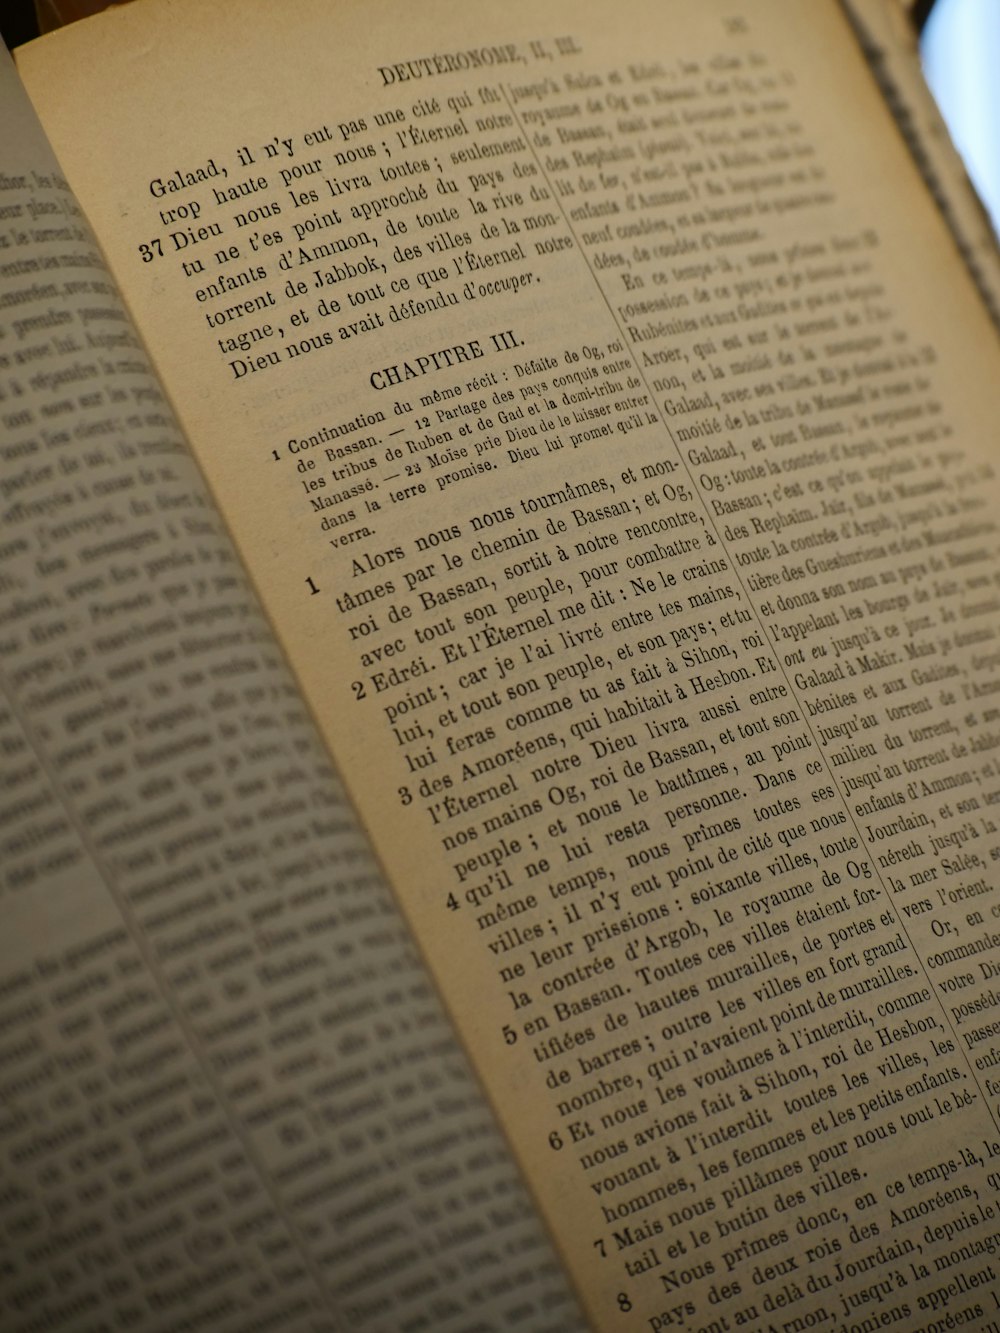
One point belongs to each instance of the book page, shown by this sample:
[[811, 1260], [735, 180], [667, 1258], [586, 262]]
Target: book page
[[230, 1099], [607, 423]]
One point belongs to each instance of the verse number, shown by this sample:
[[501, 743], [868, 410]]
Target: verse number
[[150, 251]]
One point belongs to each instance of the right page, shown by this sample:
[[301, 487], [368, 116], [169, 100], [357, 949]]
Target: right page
[[609, 426]]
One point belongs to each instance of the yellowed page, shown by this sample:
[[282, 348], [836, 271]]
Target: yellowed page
[[607, 424]]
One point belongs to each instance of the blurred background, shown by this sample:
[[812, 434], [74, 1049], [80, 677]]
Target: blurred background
[[960, 45]]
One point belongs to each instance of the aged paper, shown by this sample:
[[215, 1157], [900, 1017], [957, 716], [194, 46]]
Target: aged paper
[[607, 425]]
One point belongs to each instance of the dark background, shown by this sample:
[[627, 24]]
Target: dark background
[[17, 21]]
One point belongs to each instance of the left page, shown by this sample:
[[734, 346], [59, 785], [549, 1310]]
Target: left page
[[229, 1099]]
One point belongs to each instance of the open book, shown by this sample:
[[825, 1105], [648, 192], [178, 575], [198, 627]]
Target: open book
[[587, 438]]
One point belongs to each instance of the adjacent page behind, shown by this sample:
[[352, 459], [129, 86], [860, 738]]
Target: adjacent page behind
[[229, 1099], [608, 425], [889, 39]]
